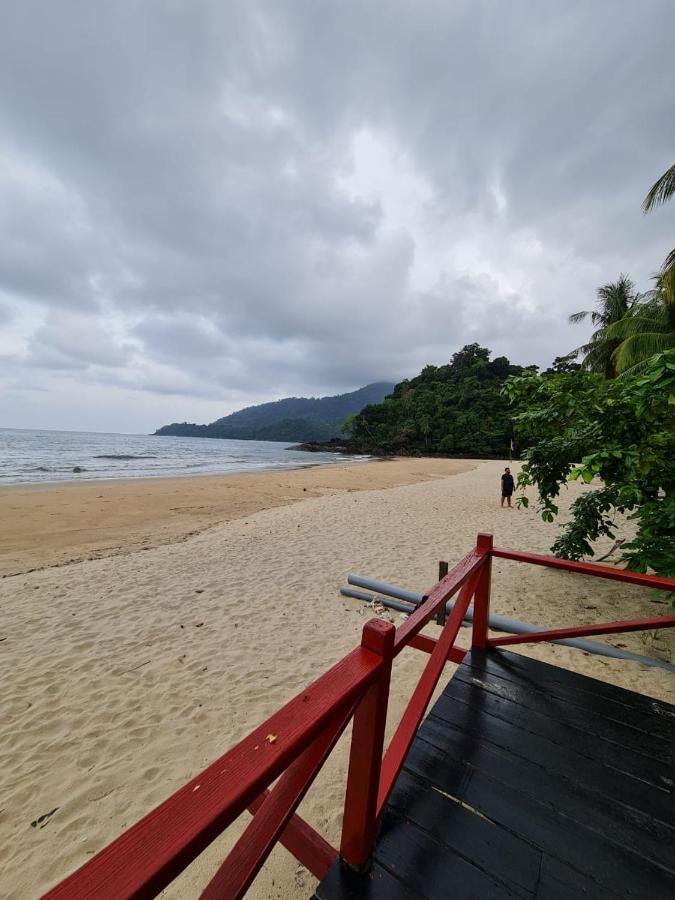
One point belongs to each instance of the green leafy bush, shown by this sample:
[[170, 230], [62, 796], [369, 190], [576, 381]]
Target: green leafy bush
[[620, 433]]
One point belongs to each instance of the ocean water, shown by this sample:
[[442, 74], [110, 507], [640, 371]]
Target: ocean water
[[44, 456]]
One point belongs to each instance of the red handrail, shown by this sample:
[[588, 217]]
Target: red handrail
[[295, 741], [584, 568], [359, 821], [253, 847], [410, 721], [149, 855], [557, 634], [303, 842], [437, 597]]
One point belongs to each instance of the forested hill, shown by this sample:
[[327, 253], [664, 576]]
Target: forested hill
[[453, 410], [292, 419]]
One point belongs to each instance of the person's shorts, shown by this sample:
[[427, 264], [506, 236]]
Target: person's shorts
[[507, 493]]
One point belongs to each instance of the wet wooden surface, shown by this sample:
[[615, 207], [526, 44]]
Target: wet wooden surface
[[527, 780]]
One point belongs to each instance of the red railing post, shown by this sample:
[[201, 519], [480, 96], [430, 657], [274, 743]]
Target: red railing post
[[481, 602], [365, 759]]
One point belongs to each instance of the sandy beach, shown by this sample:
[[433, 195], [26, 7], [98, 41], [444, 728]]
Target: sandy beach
[[148, 626], [55, 524]]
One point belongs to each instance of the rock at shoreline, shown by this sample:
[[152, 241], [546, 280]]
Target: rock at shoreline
[[335, 445]]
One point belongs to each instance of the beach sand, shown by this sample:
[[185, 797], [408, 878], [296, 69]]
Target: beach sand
[[123, 676], [54, 524]]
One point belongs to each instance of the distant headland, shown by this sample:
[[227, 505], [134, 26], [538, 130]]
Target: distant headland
[[291, 419]]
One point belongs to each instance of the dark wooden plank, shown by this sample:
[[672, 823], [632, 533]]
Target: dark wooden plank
[[624, 759], [532, 782], [569, 716], [343, 883], [433, 870], [634, 830], [660, 725], [588, 773], [552, 678], [542, 825], [558, 881], [496, 851]]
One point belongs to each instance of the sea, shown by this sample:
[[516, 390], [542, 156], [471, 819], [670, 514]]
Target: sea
[[28, 456]]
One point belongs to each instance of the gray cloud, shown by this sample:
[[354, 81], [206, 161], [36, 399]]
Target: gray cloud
[[216, 204]]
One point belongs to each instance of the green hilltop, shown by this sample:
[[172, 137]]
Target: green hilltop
[[291, 419], [451, 410]]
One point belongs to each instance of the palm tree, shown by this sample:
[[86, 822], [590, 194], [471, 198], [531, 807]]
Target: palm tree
[[648, 328], [659, 192], [615, 300]]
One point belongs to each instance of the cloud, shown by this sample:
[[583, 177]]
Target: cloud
[[67, 340], [218, 204]]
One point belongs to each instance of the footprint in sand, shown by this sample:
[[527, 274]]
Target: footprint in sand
[[43, 820]]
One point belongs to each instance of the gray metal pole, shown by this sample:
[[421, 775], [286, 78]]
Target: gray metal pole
[[381, 587], [511, 626]]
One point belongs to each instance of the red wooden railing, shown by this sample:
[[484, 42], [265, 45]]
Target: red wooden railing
[[293, 744]]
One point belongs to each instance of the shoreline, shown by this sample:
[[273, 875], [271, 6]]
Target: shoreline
[[133, 479], [45, 524]]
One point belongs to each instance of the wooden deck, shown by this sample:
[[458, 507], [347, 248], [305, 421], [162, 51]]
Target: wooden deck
[[527, 780]]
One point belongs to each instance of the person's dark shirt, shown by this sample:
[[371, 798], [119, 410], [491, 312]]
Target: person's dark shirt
[[507, 483]]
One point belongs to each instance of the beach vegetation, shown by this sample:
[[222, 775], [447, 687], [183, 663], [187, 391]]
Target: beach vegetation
[[451, 410], [660, 192], [614, 301], [648, 327], [618, 434]]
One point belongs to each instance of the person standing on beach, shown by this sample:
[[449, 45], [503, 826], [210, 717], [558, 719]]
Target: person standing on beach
[[508, 486]]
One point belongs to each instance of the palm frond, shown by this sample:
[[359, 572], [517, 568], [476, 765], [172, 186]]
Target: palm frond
[[577, 317], [581, 351], [639, 347], [614, 301], [632, 325], [634, 370], [669, 263], [660, 191], [597, 356]]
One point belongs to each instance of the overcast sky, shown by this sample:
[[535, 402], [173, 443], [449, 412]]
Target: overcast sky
[[205, 205]]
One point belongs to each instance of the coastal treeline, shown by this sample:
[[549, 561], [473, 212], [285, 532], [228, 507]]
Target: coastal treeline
[[451, 410], [616, 434]]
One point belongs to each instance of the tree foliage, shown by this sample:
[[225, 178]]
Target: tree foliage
[[451, 410], [563, 365], [614, 301], [647, 328], [619, 432], [661, 191]]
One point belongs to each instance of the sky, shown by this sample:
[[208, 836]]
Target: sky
[[206, 205]]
